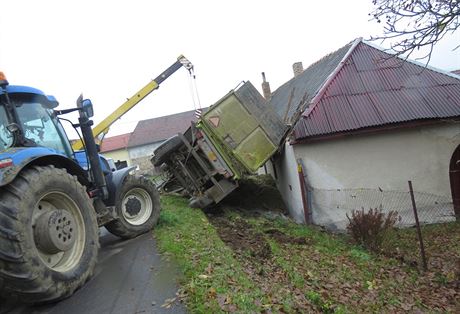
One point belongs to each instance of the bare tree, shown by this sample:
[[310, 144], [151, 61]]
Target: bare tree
[[414, 24]]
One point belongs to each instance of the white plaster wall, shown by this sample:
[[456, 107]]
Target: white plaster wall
[[287, 180], [384, 160], [269, 167], [142, 151]]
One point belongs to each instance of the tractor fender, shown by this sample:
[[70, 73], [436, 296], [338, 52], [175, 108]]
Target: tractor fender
[[114, 181], [24, 157]]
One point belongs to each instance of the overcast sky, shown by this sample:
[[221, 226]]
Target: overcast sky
[[108, 50]]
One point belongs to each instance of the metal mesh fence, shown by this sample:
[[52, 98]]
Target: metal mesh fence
[[329, 207]]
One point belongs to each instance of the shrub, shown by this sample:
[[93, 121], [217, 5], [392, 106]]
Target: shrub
[[369, 228]]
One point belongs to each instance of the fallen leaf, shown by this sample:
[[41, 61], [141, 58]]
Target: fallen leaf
[[231, 281], [209, 269], [221, 300], [212, 293], [406, 306], [168, 303], [371, 285], [231, 308]]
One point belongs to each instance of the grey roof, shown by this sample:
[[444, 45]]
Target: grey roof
[[309, 82], [158, 129]]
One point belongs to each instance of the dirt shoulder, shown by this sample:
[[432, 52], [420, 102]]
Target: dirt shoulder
[[247, 256]]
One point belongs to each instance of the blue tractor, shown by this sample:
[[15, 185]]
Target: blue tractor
[[54, 199]]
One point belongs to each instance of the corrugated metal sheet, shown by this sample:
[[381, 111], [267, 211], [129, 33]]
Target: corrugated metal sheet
[[446, 98], [367, 115], [374, 89]]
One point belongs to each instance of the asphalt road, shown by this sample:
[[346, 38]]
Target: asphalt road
[[130, 277]]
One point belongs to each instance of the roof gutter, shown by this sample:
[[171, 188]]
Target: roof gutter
[[315, 100]]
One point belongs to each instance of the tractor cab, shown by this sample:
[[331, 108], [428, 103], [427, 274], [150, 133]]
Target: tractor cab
[[53, 200], [27, 119]]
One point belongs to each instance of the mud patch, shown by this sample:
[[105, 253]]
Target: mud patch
[[256, 193], [256, 196], [240, 236], [253, 251], [281, 237]]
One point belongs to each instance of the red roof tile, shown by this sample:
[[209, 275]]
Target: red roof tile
[[115, 142], [371, 88]]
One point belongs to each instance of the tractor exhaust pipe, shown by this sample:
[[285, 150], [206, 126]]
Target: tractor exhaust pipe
[[86, 111]]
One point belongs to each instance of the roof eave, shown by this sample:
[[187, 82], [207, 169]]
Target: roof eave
[[373, 129], [113, 150]]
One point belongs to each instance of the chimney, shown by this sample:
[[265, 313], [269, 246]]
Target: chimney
[[297, 68], [266, 88]]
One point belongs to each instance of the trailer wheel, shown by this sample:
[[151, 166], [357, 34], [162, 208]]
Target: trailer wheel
[[163, 151], [137, 206], [48, 236]]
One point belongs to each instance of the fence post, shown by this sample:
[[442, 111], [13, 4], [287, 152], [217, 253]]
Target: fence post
[[417, 223]]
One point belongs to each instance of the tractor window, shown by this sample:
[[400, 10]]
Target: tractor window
[[38, 125], [6, 138]]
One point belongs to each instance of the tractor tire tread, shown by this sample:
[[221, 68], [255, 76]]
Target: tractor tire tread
[[21, 275], [121, 228]]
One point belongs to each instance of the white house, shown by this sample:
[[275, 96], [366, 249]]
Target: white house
[[373, 122], [149, 134]]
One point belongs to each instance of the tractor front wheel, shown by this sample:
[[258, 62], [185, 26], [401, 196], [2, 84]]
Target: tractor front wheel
[[137, 206], [48, 235]]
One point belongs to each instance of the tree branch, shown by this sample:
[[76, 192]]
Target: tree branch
[[416, 23]]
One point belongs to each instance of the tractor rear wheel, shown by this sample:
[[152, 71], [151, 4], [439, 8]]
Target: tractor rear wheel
[[137, 206], [48, 235]]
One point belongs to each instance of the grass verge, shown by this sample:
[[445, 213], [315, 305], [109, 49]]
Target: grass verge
[[244, 261], [213, 279]]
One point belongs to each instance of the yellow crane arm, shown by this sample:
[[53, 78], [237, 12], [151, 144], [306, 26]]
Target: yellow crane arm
[[103, 127]]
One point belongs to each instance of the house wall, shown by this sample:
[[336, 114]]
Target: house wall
[[287, 181], [141, 155], [344, 169], [120, 154]]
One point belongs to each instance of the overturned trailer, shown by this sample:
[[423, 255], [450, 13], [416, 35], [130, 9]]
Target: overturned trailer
[[234, 138]]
